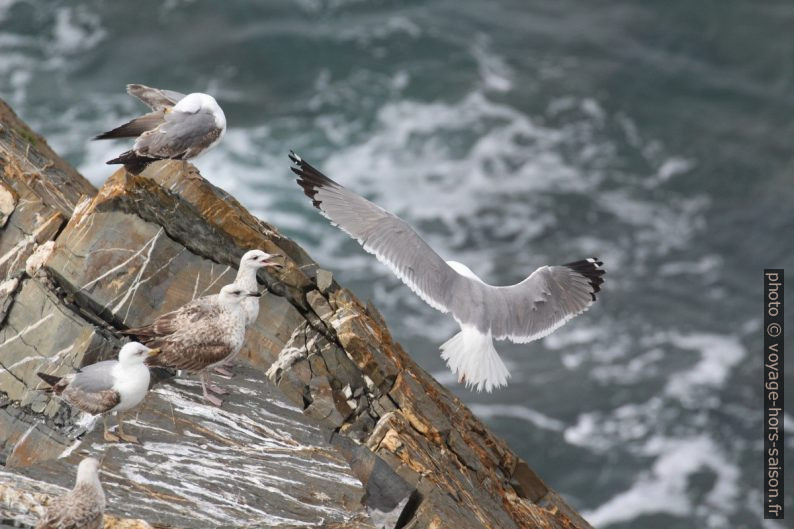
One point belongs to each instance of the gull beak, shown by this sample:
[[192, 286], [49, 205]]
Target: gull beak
[[254, 294], [268, 262], [154, 352]]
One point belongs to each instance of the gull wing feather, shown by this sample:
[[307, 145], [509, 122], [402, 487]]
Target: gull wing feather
[[155, 98], [181, 136], [529, 310]]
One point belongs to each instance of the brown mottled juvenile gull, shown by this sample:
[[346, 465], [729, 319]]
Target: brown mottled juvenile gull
[[199, 335], [521, 313], [250, 262], [179, 127], [83, 506], [109, 386]]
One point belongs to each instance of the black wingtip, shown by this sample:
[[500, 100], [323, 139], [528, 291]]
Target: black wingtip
[[309, 178], [49, 379], [132, 162], [591, 269]]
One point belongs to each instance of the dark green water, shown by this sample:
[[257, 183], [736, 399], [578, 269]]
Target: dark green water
[[656, 135]]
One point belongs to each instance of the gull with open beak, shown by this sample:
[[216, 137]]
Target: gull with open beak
[[250, 263]]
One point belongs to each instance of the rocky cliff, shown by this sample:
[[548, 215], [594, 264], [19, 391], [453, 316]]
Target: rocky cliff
[[330, 424]]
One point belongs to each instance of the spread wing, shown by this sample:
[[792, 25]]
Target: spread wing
[[523, 312]]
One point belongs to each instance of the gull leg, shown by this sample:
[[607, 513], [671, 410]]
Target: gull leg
[[109, 437], [127, 438], [222, 371], [215, 401], [215, 389]]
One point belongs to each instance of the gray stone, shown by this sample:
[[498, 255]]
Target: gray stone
[[324, 280]]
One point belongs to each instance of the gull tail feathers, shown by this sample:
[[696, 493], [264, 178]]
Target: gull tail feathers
[[473, 358]]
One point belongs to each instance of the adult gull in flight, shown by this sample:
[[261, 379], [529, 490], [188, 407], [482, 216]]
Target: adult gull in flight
[[200, 334], [108, 386], [521, 313], [179, 127], [83, 506]]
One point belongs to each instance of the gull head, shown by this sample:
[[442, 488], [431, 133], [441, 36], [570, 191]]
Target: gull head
[[135, 353], [233, 294], [88, 470], [198, 102], [258, 259]]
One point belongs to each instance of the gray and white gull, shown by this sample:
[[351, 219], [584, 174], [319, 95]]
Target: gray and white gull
[[108, 386], [82, 507], [199, 335], [179, 127], [521, 313]]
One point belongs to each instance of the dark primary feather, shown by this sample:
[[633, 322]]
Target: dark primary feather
[[135, 127], [134, 163], [53, 381]]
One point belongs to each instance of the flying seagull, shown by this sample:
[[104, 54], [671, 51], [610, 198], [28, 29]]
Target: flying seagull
[[179, 127], [105, 387], [250, 262], [199, 335], [83, 506], [521, 313]]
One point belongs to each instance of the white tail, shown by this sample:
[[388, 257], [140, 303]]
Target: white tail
[[472, 357]]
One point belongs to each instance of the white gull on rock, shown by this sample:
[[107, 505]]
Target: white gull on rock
[[108, 386]]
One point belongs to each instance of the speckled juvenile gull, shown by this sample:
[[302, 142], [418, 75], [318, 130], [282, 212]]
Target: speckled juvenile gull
[[250, 262], [521, 313], [199, 335], [82, 507], [109, 386], [179, 127]]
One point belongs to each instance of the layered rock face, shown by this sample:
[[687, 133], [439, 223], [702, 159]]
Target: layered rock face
[[330, 424]]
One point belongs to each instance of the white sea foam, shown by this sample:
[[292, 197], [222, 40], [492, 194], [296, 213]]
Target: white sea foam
[[718, 356], [515, 411], [664, 487]]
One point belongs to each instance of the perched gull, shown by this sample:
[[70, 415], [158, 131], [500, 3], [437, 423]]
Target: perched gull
[[521, 313], [246, 278], [83, 506], [179, 127], [200, 335], [104, 387]]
